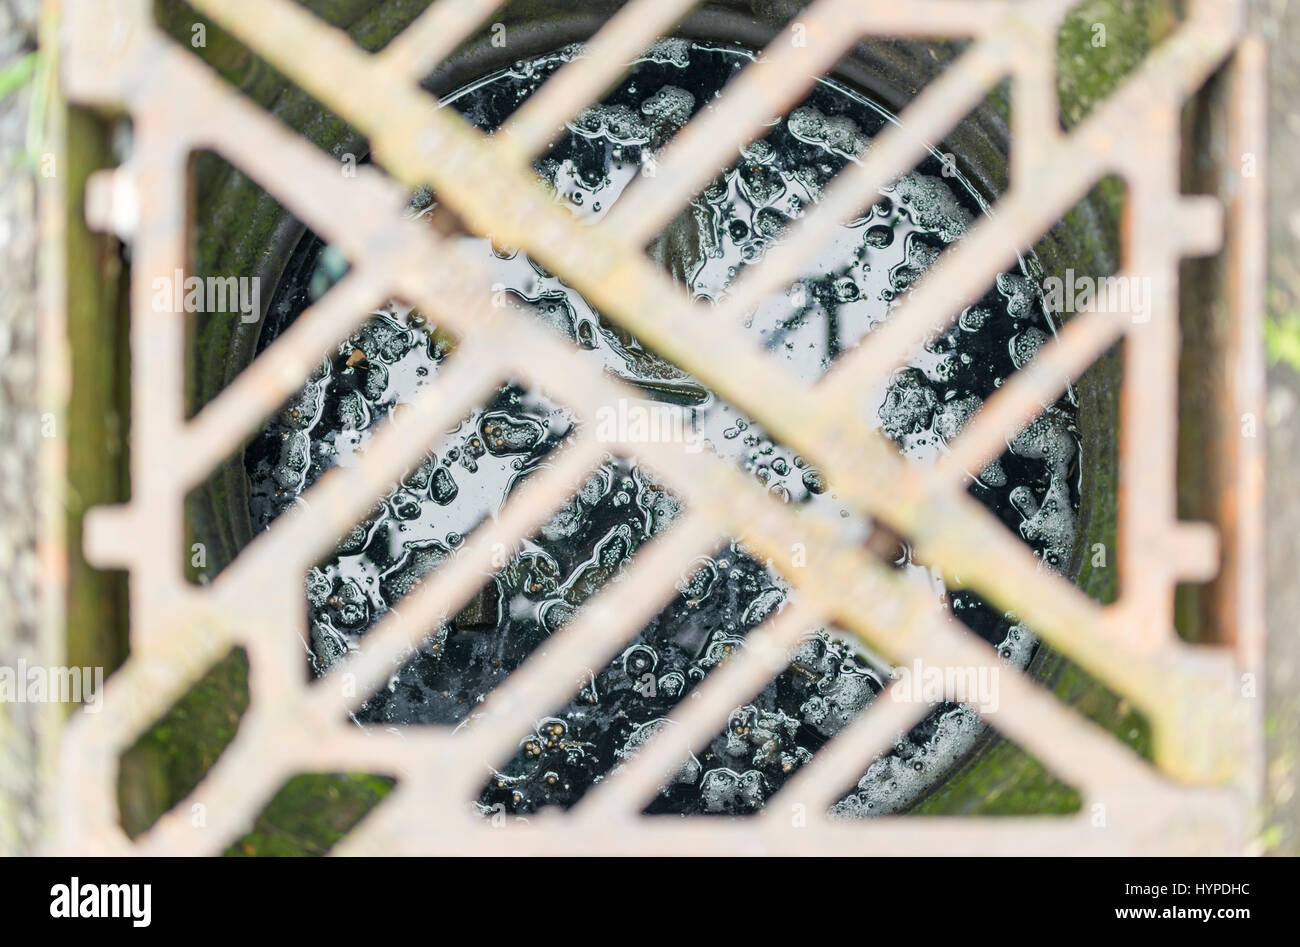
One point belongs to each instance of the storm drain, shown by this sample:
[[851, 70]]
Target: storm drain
[[739, 496]]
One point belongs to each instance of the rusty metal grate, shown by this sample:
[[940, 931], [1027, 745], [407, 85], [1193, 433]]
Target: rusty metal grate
[[1197, 794]]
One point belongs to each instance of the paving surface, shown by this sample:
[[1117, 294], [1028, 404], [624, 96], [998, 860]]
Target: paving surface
[[19, 432], [1279, 21]]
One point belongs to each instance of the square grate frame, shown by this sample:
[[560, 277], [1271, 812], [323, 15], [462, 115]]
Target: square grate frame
[[1197, 794]]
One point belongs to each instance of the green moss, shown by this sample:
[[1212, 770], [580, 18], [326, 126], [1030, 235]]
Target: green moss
[[1004, 780], [1282, 338], [1101, 42], [97, 409], [165, 764], [311, 812]]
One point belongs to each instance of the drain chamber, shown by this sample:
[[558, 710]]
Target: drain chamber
[[846, 292]]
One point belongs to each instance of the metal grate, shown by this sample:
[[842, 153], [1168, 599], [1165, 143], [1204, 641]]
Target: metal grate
[[1195, 797]]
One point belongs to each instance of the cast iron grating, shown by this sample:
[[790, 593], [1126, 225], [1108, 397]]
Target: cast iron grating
[[1195, 796]]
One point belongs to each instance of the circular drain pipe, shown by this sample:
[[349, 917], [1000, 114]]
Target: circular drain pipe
[[891, 72]]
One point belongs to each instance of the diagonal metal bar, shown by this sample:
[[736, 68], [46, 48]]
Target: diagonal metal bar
[[435, 34], [884, 609], [869, 599]]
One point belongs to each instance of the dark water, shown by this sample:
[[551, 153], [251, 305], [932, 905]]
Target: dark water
[[851, 288]]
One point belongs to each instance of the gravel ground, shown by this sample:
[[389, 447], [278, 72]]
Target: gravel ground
[[19, 430]]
